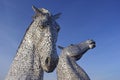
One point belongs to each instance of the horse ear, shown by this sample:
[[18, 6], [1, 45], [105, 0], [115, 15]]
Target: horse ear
[[36, 9], [56, 16], [60, 47]]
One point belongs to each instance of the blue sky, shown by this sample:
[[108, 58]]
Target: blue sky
[[80, 20]]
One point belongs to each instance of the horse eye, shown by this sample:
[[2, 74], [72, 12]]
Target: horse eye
[[42, 26], [47, 23]]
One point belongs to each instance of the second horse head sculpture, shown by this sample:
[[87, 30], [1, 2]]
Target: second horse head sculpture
[[67, 68]]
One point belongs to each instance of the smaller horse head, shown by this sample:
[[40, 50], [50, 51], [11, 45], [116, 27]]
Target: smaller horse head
[[77, 50], [46, 33]]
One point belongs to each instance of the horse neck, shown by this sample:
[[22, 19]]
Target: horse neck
[[82, 74], [26, 64], [65, 68], [69, 66]]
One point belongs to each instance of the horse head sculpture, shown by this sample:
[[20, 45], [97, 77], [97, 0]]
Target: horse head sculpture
[[48, 30], [37, 51], [67, 68]]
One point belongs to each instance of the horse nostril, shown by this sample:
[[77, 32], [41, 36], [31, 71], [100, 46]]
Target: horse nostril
[[47, 61], [93, 46], [93, 42]]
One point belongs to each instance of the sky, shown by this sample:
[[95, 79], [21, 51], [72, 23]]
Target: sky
[[80, 20]]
